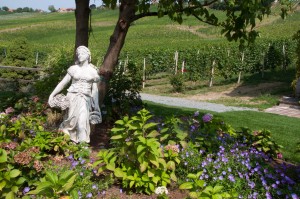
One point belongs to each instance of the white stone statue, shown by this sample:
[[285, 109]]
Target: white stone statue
[[81, 100]]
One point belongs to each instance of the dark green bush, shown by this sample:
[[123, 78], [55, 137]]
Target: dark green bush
[[177, 81], [58, 65], [123, 93]]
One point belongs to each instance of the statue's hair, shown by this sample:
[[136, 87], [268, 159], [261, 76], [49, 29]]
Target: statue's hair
[[86, 50]]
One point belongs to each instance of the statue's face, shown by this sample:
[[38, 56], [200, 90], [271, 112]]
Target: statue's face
[[82, 55]]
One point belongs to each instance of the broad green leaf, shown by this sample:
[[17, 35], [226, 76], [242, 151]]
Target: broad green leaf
[[192, 176], [173, 176], [117, 129], [151, 186], [14, 173], [42, 186], [153, 134], [3, 156], [121, 122], [116, 137], [66, 175], [10, 195], [2, 184], [217, 189], [74, 194], [131, 184], [52, 177], [200, 183], [151, 173], [193, 194], [155, 179], [111, 166], [186, 185], [2, 128], [150, 125], [69, 183], [143, 166], [140, 148], [216, 196], [171, 165], [14, 189], [20, 181], [119, 173]]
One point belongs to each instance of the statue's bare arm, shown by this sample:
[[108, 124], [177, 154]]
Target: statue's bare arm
[[60, 86]]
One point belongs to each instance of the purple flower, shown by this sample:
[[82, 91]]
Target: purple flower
[[268, 195], [196, 113], [251, 184], [121, 191], [231, 178], [74, 164], [89, 195], [94, 186], [221, 178], [26, 190], [207, 117], [294, 196]]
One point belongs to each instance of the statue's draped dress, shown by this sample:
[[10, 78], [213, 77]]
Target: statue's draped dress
[[79, 94]]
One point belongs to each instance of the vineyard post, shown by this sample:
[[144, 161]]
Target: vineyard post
[[212, 73], [37, 57], [182, 67], [176, 61], [125, 64], [284, 57], [144, 73], [240, 72]]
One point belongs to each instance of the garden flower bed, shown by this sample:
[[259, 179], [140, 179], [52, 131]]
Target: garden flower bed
[[144, 156]]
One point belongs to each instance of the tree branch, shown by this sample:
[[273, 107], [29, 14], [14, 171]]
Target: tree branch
[[149, 14]]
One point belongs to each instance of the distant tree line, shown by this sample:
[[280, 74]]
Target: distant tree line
[[18, 10]]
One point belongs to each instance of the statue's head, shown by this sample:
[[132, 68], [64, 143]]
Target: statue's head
[[83, 49]]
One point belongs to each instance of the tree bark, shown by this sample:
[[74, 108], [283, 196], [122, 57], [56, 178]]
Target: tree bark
[[126, 16], [82, 15]]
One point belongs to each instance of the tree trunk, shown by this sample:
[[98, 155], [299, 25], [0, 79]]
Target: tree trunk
[[116, 43], [82, 15]]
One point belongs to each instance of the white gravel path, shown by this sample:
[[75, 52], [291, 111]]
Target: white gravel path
[[175, 101]]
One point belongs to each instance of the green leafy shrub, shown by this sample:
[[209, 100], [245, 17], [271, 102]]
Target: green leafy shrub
[[10, 178], [261, 140], [56, 185], [177, 81], [123, 93], [137, 158], [57, 64]]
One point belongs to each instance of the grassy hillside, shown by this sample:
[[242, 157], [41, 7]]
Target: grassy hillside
[[49, 30]]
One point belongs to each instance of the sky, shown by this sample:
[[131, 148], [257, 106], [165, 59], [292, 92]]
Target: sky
[[43, 4]]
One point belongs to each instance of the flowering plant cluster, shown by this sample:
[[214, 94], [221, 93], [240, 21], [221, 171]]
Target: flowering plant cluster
[[162, 192], [239, 166]]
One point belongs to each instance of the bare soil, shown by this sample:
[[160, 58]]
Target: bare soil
[[244, 92]]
